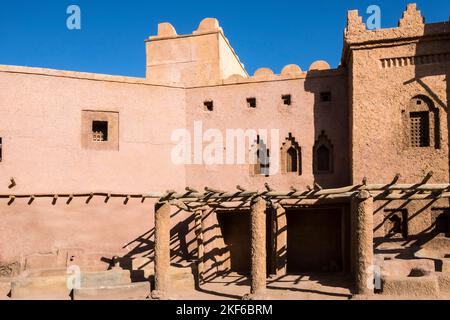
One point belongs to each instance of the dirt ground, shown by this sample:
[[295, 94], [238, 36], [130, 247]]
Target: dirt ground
[[291, 287]]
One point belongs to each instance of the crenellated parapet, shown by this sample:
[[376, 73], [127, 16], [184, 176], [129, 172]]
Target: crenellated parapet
[[411, 26], [289, 72], [411, 17], [208, 25]]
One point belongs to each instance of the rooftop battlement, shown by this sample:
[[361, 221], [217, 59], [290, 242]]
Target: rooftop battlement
[[411, 25], [167, 31]]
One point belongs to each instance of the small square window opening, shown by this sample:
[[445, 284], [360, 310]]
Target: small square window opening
[[99, 131], [251, 102], [287, 99], [325, 96], [209, 105]]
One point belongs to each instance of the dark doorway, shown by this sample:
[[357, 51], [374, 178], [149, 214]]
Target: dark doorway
[[235, 228], [236, 232], [314, 241]]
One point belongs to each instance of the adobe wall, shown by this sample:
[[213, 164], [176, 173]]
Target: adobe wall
[[204, 57], [305, 118], [381, 100], [420, 218], [46, 154], [40, 123], [388, 69]]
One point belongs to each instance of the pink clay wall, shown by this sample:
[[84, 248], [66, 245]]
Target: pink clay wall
[[40, 123]]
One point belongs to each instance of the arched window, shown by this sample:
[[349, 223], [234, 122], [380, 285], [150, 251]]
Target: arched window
[[323, 158], [260, 158], [292, 160], [423, 123], [291, 156], [323, 155], [263, 164]]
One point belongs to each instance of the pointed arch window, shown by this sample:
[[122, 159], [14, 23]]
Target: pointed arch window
[[323, 159], [260, 158], [292, 160], [323, 155], [291, 156]]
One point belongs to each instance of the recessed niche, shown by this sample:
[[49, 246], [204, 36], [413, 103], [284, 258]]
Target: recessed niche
[[100, 130]]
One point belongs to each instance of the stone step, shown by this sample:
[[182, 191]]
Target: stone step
[[41, 285], [182, 275], [132, 291], [112, 277], [53, 283], [414, 287]]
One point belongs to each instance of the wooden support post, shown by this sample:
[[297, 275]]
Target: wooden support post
[[200, 244], [362, 206], [162, 250], [258, 248]]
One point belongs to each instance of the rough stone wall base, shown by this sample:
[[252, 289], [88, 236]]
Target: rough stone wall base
[[414, 287]]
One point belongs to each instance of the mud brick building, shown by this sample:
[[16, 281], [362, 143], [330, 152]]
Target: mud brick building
[[362, 185]]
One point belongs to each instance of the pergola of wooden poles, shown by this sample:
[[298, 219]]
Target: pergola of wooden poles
[[192, 199], [361, 197]]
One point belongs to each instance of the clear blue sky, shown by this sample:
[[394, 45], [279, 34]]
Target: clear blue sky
[[263, 33]]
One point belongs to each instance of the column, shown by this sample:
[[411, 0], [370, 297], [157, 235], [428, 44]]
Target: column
[[162, 249], [258, 247], [362, 206]]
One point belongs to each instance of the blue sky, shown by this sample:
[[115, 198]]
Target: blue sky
[[263, 33]]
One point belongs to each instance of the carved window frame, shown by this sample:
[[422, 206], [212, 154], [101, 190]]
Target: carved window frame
[[290, 143]]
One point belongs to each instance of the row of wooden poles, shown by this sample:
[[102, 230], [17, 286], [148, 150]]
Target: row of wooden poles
[[362, 248], [362, 197], [191, 198]]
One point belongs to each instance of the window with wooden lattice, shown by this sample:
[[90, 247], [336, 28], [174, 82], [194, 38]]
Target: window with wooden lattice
[[99, 131], [419, 129]]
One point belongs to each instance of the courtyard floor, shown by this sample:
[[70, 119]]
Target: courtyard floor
[[290, 287]]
